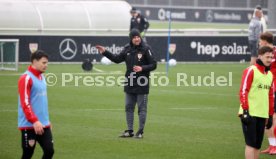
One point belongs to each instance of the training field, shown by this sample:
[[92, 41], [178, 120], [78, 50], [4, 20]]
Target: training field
[[184, 122]]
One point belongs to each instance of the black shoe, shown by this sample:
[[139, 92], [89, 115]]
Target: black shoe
[[139, 134], [127, 133]]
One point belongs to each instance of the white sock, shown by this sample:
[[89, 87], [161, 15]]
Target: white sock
[[272, 141], [274, 144]]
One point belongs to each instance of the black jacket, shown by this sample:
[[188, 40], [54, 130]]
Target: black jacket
[[135, 55], [140, 22]]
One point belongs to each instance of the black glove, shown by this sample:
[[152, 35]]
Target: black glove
[[269, 122], [245, 117]]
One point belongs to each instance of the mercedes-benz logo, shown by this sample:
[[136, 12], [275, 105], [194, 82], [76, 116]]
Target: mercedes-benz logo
[[209, 16], [68, 49]]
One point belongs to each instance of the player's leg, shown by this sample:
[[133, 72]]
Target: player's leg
[[143, 35], [271, 137], [142, 101], [249, 152], [253, 60], [270, 134], [253, 47], [269, 148], [28, 138], [249, 132], [273, 130], [260, 127], [46, 142], [130, 101]]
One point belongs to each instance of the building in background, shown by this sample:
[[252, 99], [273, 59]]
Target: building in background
[[203, 3]]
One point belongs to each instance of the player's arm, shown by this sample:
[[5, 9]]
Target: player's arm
[[152, 64], [146, 23], [247, 79], [114, 58], [24, 90], [271, 100], [131, 24], [269, 121]]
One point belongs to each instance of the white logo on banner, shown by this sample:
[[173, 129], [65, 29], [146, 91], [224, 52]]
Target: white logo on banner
[[68, 49], [33, 47], [209, 16], [214, 50], [162, 14]]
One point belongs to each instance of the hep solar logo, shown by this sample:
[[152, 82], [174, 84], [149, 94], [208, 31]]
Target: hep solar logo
[[201, 49], [214, 50]]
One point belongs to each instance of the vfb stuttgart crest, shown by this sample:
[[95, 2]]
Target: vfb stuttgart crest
[[33, 47], [139, 55], [172, 48]]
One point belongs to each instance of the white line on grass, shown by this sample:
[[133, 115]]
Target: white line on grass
[[13, 86], [98, 70], [108, 109], [216, 94], [199, 93], [193, 108], [13, 74], [101, 109], [8, 110], [159, 73], [97, 73]]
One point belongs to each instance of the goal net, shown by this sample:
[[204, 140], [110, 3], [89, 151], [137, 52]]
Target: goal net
[[9, 54]]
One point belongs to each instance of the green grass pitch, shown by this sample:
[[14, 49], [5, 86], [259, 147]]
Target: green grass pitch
[[184, 122]]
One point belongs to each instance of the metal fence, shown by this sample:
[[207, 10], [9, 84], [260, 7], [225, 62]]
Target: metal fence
[[203, 3]]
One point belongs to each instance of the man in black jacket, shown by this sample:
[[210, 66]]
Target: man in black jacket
[[139, 62], [138, 21]]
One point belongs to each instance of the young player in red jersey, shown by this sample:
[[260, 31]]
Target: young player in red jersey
[[266, 39], [33, 116], [256, 102]]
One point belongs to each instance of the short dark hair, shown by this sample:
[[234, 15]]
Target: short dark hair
[[259, 7], [133, 10], [264, 50], [37, 55], [267, 36]]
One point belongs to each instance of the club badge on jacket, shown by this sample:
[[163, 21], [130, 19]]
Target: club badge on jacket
[[139, 55]]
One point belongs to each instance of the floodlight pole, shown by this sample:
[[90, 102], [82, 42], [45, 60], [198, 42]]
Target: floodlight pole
[[169, 41]]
